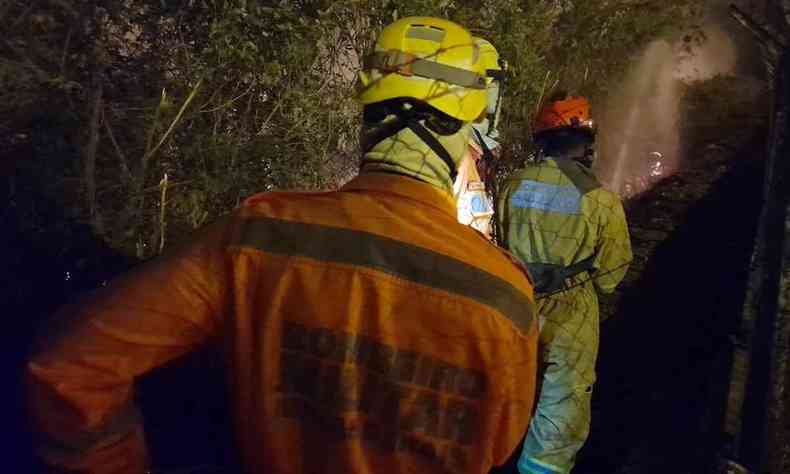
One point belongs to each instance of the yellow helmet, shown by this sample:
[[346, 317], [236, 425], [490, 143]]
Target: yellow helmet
[[429, 59], [489, 56], [494, 69]]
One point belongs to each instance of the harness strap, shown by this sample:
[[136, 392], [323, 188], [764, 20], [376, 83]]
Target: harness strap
[[553, 278], [584, 181], [387, 130], [434, 144], [488, 157]]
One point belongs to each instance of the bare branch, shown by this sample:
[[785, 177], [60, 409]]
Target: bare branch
[[542, 91], [770, 40], [175, 121], [89, 155], [772, 43], [269, 117], [162, 215], [65, 52], [231, 101], [125, 171]]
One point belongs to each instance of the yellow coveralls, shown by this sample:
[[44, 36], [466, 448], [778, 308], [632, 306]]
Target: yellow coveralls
[[553, 215], [365, 331]]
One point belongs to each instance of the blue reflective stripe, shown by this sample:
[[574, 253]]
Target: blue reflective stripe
[[480, 204], [529, 466], [547, 197]]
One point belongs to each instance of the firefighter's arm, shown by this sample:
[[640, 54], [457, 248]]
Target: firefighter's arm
[[613, 253], [80, 380]]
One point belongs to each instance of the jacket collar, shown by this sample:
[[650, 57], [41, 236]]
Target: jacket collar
[[405, 187]]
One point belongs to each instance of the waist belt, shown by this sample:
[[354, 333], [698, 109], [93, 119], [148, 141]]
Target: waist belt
[[551, 278]]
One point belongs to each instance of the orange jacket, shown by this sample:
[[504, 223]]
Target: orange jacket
[[366, 331]]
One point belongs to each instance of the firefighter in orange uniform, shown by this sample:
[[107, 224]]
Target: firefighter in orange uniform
[[365, 329]]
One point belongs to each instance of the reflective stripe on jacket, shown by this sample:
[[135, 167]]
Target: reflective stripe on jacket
[[366, 330], [475, 208]]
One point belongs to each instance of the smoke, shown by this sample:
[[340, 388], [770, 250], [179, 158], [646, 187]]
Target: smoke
[[639, 142], [705, 54]]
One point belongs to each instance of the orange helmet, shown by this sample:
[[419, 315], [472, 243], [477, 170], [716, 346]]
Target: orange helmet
[[563, 113]]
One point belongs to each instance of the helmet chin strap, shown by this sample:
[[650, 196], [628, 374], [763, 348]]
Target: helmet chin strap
[[488, 156], [588, 158]]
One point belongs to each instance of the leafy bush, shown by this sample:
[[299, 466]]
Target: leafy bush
[[145, 119], [737, 104]]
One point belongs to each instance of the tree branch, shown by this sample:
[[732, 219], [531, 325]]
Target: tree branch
[[89, 155], [125, 171], [772, 42], [65, 52], [229, 102], [173, 124]]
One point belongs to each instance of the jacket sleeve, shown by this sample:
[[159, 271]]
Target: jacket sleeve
[[613, 252], [80, 380]]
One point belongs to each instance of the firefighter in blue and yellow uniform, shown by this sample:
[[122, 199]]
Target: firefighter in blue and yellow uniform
[[572, 235], [365, 329]]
